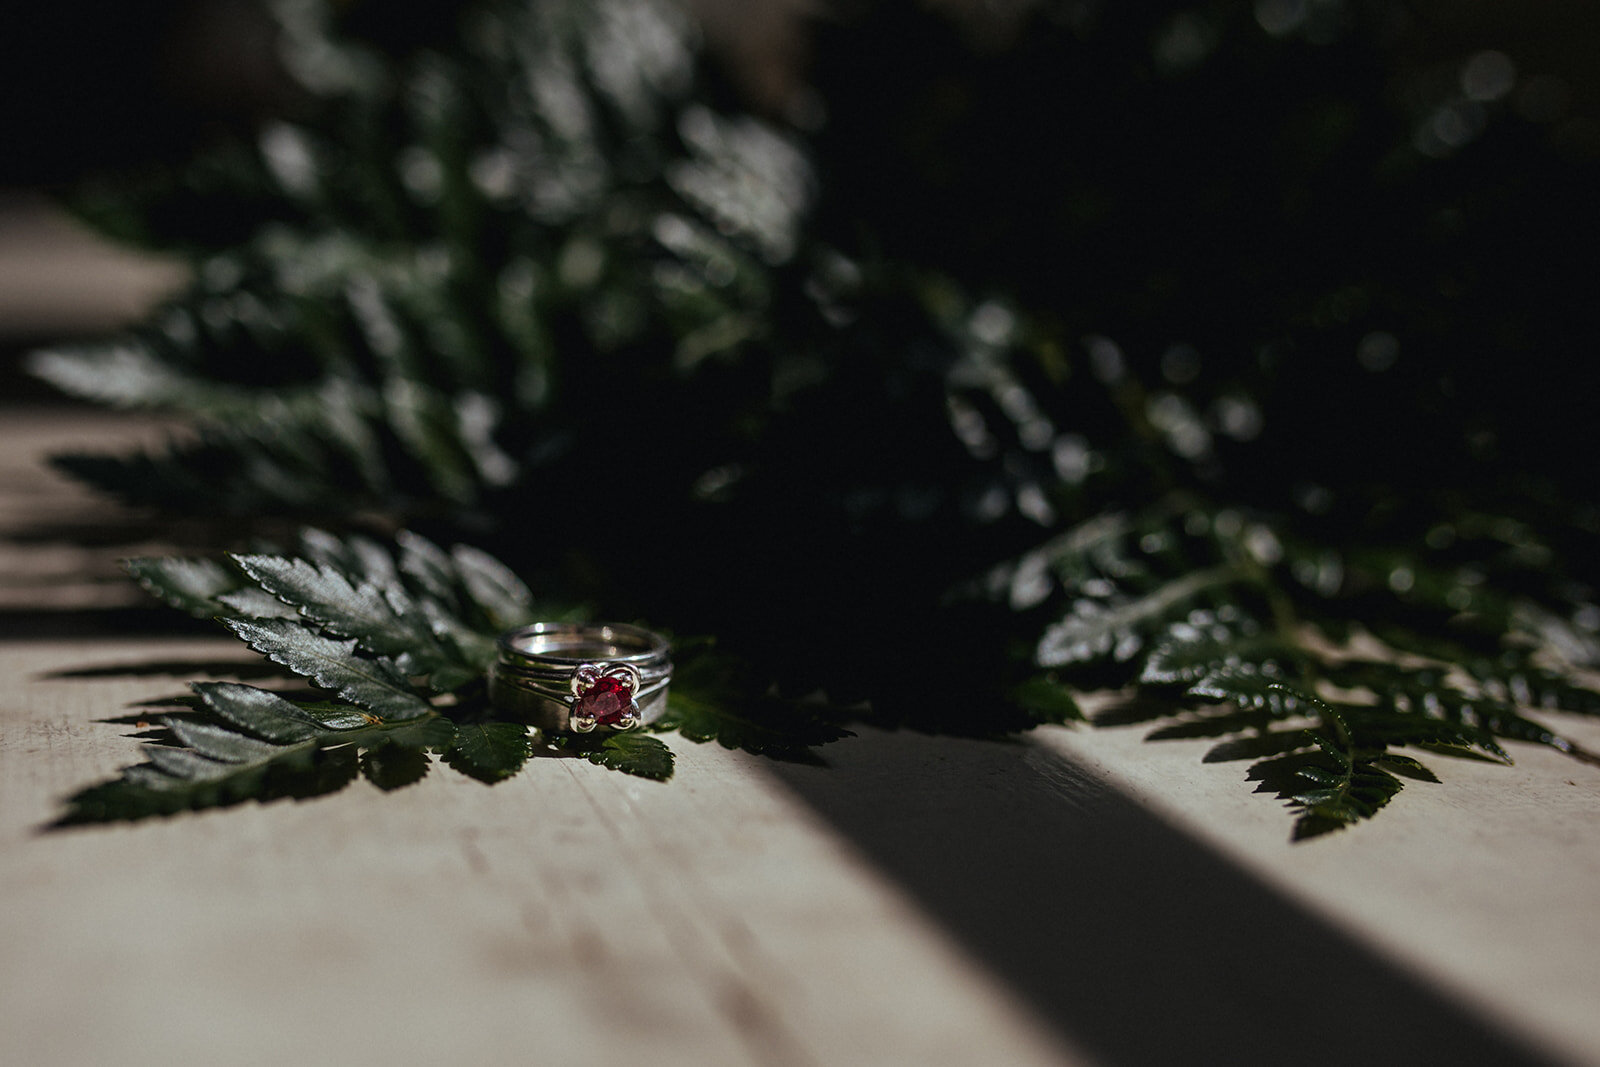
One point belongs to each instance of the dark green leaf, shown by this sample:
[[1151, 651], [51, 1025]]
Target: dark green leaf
[[1420, 730], [360, 559], [1406, 767], [1047, 700], [122, 376], [1524, 685], [182, 763], [1347, 791], [1186, 653], [381, 620], [217, 743], [449, 679], [149, 789], [631, 752], [1322, 776], [433, 734], [426, 423], [762, 725], [489, 751], [263, 714], [1093, 631], [336, 716], [429, 566], [191, 585], [251, 602], [372, 682], [1251, 691], [1356, 797], [505, 601]]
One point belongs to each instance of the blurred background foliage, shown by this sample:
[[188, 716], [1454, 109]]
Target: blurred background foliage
[[878, 339]]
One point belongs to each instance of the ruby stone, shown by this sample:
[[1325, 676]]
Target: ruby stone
[[608, 700]]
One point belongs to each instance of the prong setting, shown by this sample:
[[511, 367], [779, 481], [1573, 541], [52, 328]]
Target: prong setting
[[604, 694]]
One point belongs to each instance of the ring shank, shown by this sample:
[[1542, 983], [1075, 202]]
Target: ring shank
[[571, 644]]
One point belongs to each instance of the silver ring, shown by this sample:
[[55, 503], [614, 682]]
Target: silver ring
[[578, 676]]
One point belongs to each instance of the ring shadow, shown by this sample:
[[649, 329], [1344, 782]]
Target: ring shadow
[[1138, 944]]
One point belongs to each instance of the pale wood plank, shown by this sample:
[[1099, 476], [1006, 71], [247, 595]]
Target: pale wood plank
[[60, 542], [58, 276]]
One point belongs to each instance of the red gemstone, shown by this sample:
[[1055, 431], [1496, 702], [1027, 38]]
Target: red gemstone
[[607, 700]]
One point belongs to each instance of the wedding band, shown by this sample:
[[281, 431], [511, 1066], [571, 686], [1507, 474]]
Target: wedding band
[[578, 676]]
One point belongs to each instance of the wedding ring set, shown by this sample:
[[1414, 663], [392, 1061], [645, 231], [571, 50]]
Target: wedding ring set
[[578, 677]]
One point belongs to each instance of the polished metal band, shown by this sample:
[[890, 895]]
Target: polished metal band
[[539, 670]]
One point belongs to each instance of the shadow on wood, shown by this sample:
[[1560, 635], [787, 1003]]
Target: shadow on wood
[[1138, 943]]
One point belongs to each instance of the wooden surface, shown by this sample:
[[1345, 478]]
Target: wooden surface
[[1082, 897], [58, 278]]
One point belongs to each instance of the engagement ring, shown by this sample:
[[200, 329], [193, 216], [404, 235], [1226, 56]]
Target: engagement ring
[[577, 676]]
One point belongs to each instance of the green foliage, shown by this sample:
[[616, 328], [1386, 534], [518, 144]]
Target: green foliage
[[489, 751], [255, 745], [1045, 698], [1257, 667], [401, 640], [370, 681], [968, 394], [636, 753], [714, 699]]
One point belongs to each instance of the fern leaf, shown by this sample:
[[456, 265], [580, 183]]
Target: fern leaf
[[224, 767], [1120, 631], [1355, 795], [1202, 645], [382, 621], [632, 752], [217, 743], [493, 587], [1251, 689], [194, 586], [489, 751], [264, 714], [1047, 700], [372, 682]]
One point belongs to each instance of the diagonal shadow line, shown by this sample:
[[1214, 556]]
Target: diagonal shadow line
[[197, 667], [110, 622], [1141, 946]]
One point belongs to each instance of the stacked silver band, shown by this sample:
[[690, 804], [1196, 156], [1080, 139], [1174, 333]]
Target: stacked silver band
[[538, 670]]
